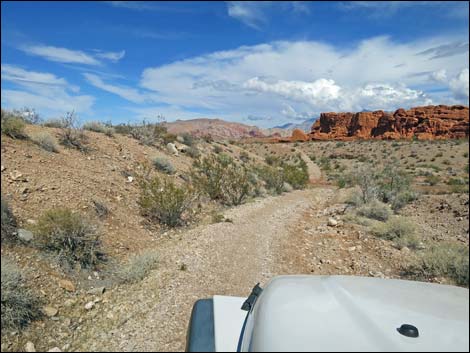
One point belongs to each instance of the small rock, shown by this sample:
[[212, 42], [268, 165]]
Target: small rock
[[55, 349], [29, 347], [25, 235], [16, 175], [67, 285], [405, 249], [89, 305], [172, 148], [69, 303], [97, 291], [3, 168], [24, 190], [352, 248], [50, 311], [332, 222], [31, 221], [130, 179]]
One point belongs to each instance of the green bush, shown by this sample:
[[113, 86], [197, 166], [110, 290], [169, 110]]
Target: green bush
[[273, 177], [444, 260], [188, 139], [137, 267], [296, 174], [19, 305], [8, 222], [375, 210], [45, 141], [164, 165], [395, 227], [366, 179], [12, 125], [161, 200], [147, 133], [222, 179], [432, 179], [74, 239]]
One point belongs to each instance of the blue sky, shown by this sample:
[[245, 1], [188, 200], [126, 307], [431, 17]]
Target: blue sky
[[260, 63]]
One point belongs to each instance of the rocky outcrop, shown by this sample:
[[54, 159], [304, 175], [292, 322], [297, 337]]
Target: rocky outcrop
[[429, 122]]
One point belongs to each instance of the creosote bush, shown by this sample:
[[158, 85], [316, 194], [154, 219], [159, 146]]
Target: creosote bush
[[19, 305], [375, 210], [69, 235], [395, 227], [163, 201], [96, 126], [222, 179], [71, 135], [45, 141]]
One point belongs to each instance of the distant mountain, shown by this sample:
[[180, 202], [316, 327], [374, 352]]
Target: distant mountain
[[220, 129], [305, 125]]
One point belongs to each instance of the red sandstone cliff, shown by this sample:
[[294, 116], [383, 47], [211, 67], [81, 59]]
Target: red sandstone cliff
[[429, 122]]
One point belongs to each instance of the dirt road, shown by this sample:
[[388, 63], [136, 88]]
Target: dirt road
[[223, 258]]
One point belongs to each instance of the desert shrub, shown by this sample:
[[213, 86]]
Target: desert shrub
[[19, 305], [55, 123], [344, 180], [71, 135], [12, 125], [222, 179], [147, 133], [101, 128], [273, 177], [244, 157], [123, 129], [432, 179], [137, 267], [164, 165], [402, 199], [217, 149], [444, 259], [28, 115], [188, 139], [45, 141], [101, 209], [395, 227], [272, 160], [8, 222], [296, 174], [163, 201], [193, 152], [375, 210], [366, 179], [73, 238], [168, 138]]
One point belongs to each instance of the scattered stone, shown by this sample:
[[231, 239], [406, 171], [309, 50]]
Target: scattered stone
[[130, 179], [31, 221], [332, 222], [3, 168], [50, 311], [69, 303], [97, 291], [29, 347], [172, 148], [89, 305], [16, 175], [55, 349], [67, 285], [25, 235], [287, 187], [352, 248]]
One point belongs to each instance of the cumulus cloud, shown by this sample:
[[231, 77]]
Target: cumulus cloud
[[439, 76], [308, 76], [459, 86]]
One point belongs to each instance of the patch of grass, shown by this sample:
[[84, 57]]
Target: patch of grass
[[8, 222], [188, 139], [69, 235], [55, 123], [18, 303], [193, 152], [45, 141], [137, 267], [164, 165], [375, 210], [395, 227], [164, 202], [445, 259], [99, 127]]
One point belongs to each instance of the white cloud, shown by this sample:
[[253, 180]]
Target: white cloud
[[68, 56], [309, 76], [439, 76], [45, 92], [128, 93], [459, 86], [111, 56]]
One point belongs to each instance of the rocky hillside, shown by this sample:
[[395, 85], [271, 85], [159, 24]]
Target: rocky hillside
[[429, 122], [220, 129]]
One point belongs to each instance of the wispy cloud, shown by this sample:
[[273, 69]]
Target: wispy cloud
[[44, 91], [69, 56], [110, 55], [128, 93], [151, 6], [446, 50]]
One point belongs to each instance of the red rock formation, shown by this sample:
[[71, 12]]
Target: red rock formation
[[429, 122], [299, 135]]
